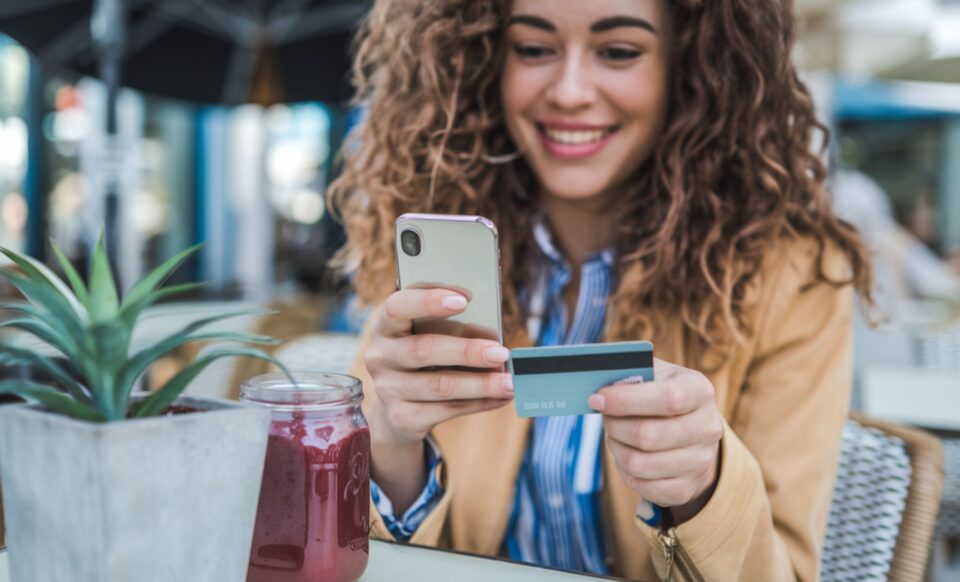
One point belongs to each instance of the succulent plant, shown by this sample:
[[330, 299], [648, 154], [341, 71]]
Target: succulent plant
[[92, 327]]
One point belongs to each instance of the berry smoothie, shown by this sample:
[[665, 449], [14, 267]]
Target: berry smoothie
[[313, 517]]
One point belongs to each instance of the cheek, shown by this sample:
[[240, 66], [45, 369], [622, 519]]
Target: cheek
[[641, 98], [508, 101], [511, 93], [518, 93], [645, 104]]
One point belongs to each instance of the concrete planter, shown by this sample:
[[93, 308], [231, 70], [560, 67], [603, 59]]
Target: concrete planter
[[153, 500]]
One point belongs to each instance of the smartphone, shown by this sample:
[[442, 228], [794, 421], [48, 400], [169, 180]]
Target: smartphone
[[455, 252]]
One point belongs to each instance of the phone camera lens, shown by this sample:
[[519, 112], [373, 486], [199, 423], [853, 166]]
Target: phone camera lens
[[410, 243]]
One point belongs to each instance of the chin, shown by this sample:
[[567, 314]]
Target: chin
[[571, 193], [564, 186]]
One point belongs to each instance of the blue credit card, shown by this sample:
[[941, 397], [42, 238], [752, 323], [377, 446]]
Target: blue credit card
[[558, 380]]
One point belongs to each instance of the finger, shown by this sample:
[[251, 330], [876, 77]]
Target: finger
[[421, 417], [422, 351], [664, 492], [661, 464], [651, 433], [663, 369], [446, 385], [404, 306], [676, 395]]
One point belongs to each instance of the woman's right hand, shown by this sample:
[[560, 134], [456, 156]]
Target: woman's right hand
[[417, 390]]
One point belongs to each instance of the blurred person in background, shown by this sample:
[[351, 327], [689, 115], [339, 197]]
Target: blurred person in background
[[648, 166], [905, 266]]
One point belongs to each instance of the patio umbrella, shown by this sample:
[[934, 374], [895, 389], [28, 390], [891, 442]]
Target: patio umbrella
[[208, 51]]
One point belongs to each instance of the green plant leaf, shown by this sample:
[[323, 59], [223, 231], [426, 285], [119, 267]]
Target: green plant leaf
[[142, 360], [39, 273], [59, 314], [156, 402], [79, 289], [73, 335], [133, 370], [112, 345], [51, 398], [132, 311], [156, 277], [104, 303], [40, 329], [20, 355]]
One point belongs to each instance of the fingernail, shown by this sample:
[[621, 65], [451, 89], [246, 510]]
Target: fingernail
[[454, 302], [596, 402], [497, 355], [508, 383]]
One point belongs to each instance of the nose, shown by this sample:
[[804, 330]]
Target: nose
[[573, 87]]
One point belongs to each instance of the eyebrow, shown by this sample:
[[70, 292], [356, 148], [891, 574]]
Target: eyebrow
[[602, 25], [534, 21], [605, 24]]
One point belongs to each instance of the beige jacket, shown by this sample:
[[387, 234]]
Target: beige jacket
[[785, 399]]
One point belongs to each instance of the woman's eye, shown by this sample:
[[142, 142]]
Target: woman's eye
[[619, 53], [527, 51]]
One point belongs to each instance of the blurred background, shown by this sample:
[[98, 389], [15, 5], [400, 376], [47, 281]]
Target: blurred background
[[179, 121]]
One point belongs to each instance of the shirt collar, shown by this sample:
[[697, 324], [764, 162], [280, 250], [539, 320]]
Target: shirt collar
[[544, 238]]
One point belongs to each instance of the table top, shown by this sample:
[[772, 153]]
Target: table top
[[390, 562], [918, 396]]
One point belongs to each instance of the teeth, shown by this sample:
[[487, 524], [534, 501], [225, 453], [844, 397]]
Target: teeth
[[575, 137]]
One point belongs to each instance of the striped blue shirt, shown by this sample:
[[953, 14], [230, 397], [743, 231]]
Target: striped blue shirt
[[556, 519]]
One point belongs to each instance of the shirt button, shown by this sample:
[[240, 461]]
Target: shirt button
[[555, 501]]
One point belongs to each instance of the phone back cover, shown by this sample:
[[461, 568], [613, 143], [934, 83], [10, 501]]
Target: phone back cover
[[457, 253]]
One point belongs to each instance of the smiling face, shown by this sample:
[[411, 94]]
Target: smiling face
[[584, 90]]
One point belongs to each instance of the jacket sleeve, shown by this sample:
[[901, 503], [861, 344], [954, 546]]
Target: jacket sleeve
[[767, 517], [431, 530]]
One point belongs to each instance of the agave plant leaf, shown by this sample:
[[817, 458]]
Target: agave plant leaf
[[22, 355], [46, 297], [201, 323], [42, 330], [104, 302], [142, 360], [41, 274], [112, 341], [34, 310], [79, 289], [156, 402], [92, 328], [155, 278], [130, 312], [51, 398]]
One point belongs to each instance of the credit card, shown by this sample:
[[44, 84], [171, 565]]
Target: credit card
[[558, 380]]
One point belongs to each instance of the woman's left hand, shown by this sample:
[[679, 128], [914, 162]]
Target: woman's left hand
[[665, 437]]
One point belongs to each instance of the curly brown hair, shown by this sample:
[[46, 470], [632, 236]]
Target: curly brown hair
[[732, 170]]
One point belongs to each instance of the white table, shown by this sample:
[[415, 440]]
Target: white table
[[917, 396], [393, 562]]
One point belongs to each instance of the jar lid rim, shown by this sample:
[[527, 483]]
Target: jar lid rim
[[310, 388]]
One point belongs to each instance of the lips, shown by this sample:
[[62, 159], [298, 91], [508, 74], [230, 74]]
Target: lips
[[573, 137], [572, 141]]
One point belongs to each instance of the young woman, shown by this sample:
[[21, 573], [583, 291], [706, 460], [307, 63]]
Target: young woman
[[648, 165]]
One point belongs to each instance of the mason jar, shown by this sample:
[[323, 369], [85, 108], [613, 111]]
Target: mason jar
[[313, 515]]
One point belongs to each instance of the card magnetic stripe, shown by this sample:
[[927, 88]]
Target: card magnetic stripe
[[558, 364]]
